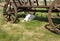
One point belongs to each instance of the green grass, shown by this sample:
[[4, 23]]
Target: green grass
[[27, 31]]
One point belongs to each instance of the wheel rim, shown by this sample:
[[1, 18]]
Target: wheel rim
[[53, 18], [10, 12]]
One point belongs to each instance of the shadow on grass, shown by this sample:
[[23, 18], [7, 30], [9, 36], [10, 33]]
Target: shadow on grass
[[41, 18], [21, 15], [47, 26], [38, 18]]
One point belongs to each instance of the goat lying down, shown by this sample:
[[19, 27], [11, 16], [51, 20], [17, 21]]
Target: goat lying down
[[29, 17]]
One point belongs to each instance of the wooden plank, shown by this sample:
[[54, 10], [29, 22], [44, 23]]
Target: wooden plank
[[31, 10], [40, 6]]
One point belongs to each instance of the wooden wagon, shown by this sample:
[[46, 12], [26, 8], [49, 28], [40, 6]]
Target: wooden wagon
[[13, 7]]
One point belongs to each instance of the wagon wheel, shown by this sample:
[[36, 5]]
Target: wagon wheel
[[10, 12], [54, 18]]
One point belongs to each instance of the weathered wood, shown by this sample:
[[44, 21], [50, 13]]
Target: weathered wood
[[55, 24]]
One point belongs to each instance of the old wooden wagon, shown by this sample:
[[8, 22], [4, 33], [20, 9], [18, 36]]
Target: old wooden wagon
[[13, 7]]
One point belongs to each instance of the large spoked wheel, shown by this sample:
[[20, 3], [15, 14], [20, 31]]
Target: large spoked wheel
[[54, 18], [10, 12]]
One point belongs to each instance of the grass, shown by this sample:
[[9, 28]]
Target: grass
[[27, 31]]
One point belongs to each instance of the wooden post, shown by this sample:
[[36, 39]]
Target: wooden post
[[45, 2], [37, 2], [30, 2]]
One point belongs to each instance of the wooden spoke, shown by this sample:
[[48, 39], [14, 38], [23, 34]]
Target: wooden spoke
[[10, 12]]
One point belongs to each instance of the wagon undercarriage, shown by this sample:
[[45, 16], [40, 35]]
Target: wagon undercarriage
[[12, 7]]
